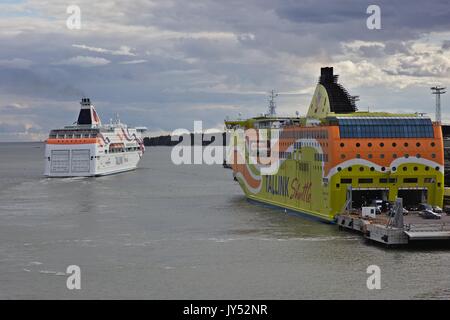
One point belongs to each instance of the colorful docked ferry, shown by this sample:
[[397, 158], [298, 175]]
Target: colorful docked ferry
[[89, 148], [337, 154]]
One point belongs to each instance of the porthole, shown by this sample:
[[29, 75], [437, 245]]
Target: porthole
[[361, 168], [342, 144], [418, 144], [415, 168], [394, 144], [349, 169], [342, 156], [339, 169], [433, 144], [369, 144], [394, 168], [405, 144], [437, 168], [404, 168], [358, 144], [427, 168], [383, 168], [372, 169], [381, 144]]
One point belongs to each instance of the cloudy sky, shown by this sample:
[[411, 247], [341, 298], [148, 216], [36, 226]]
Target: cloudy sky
[[166, 63]]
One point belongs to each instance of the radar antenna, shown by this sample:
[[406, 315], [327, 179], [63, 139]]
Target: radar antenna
[[272, 105], [437, 90]]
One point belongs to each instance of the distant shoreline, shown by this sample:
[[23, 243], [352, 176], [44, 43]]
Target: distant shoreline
[[166, 140]]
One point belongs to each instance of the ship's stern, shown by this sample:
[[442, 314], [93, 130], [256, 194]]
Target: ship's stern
[[68, 160]]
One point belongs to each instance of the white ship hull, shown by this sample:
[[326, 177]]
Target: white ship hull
[[84, 160]]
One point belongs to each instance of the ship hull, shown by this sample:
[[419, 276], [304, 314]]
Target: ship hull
[[298, 212], [307, 183], [84, 160]]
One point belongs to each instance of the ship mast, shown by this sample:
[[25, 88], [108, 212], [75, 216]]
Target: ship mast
[[272, 106]]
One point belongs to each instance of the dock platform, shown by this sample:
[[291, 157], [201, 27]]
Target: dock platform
[[381, 229]]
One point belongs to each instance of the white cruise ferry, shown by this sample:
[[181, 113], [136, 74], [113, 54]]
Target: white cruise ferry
[[89, 148]]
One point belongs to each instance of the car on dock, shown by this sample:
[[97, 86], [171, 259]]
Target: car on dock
[[437, 209], [426, 211]]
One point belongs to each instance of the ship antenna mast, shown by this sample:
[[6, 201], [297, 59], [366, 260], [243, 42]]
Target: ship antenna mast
[[437, 90], [272, 105], [117, 119]]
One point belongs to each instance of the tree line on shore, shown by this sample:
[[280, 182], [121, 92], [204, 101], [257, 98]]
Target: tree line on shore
[[195, 139]]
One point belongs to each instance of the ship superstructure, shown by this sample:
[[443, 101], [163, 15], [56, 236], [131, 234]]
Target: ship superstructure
[[89, 148], [336, 155]]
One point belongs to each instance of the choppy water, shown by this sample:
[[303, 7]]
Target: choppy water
[[182, 232]]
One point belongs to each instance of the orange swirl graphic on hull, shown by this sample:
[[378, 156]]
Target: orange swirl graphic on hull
[[240, 168]]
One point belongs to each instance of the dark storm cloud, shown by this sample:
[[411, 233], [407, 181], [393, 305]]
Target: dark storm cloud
[[28, 83], [401, 19], [166, 63]]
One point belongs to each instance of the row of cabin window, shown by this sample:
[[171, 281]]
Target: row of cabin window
[[73, 136], [297, 134], [384, 169], [322, 157], [394, 144], [117, 150], [387, 180], [394, 155], [386, 131], [299, 145]]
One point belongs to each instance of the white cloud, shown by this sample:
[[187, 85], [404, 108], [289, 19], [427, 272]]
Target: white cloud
[[84, 61], [133, 61], [122, 51]]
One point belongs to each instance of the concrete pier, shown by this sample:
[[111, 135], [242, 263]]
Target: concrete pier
[[381, 230]]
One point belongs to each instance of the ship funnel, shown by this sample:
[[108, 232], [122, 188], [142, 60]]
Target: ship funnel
[[88, 115], [330, 96], [326, 74], [85, 102]]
